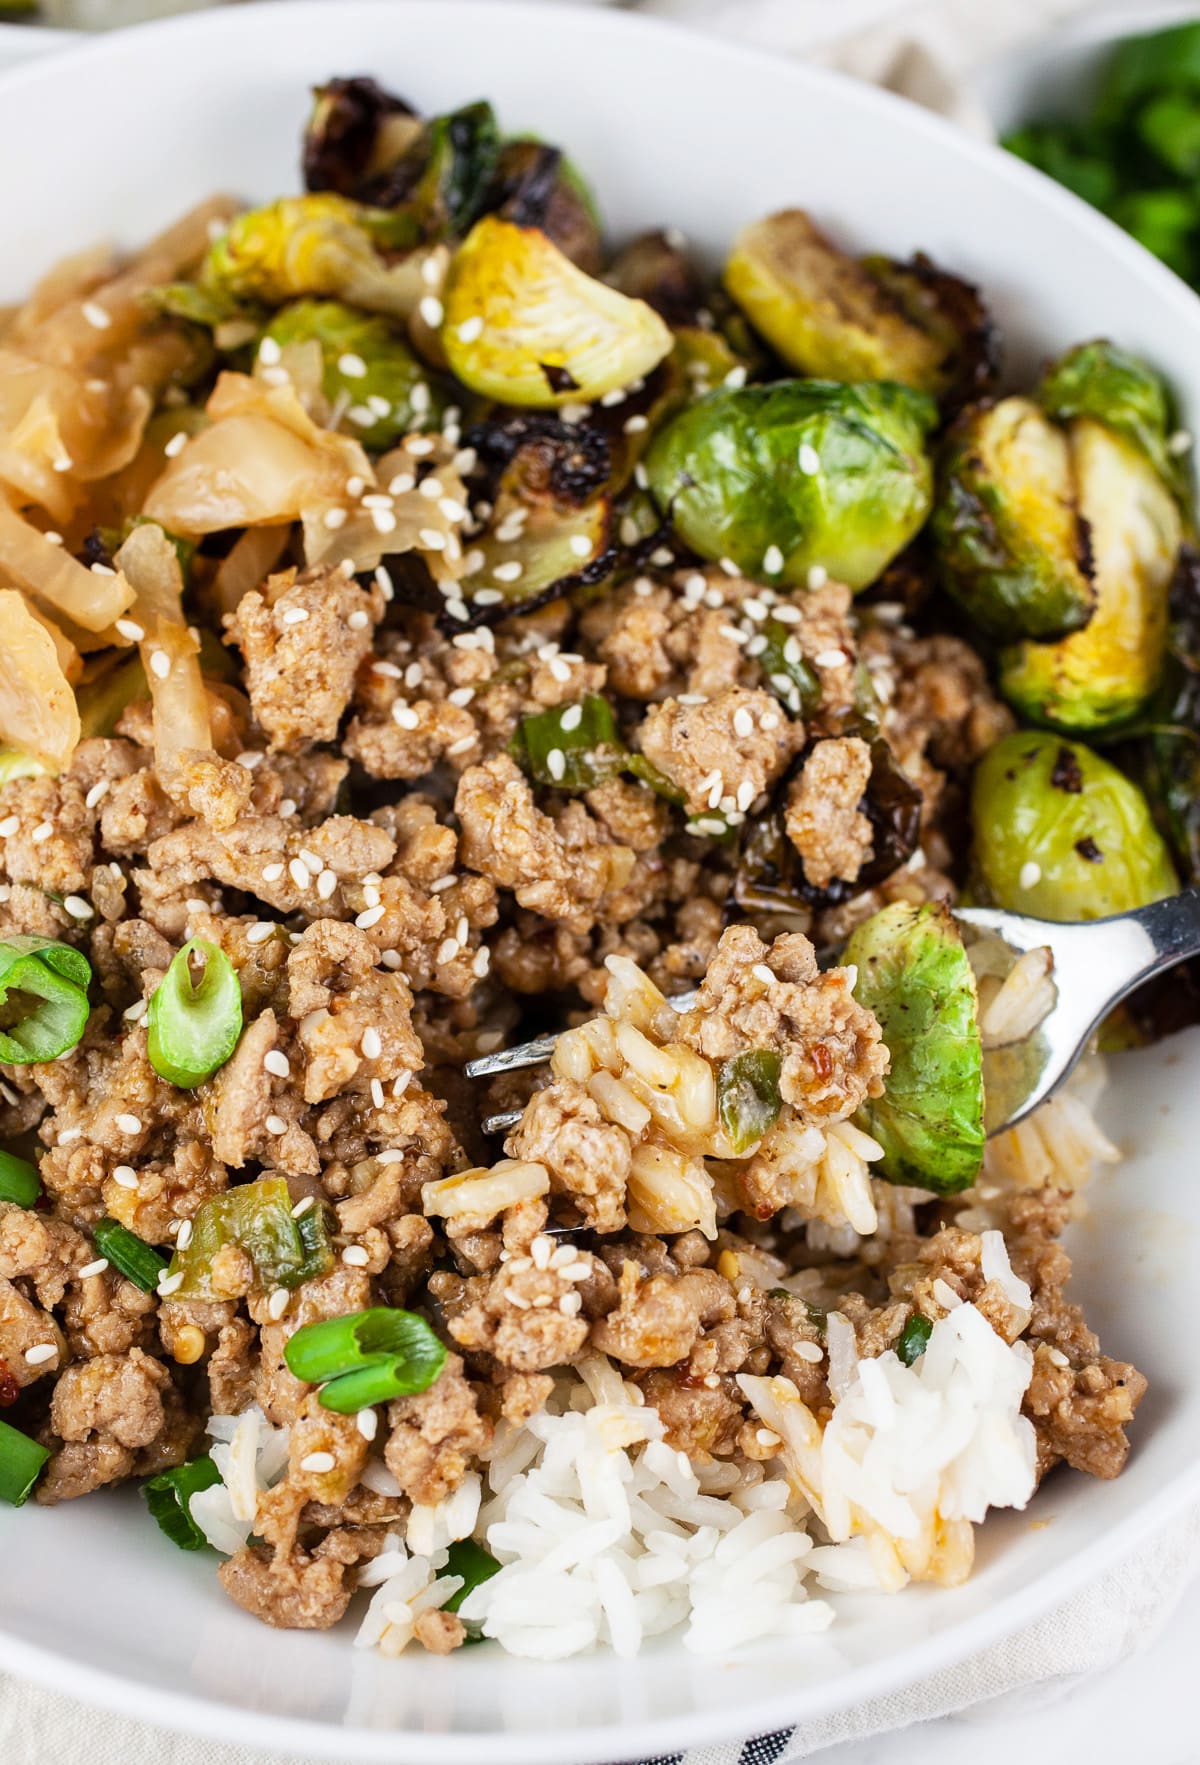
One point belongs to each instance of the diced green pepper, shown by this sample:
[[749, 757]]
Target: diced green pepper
[[258, 1219], [748, 1100]]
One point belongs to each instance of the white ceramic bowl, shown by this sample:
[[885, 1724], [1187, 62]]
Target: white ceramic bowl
[[118, 136]]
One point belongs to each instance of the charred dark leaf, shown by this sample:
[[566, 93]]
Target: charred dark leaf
[[347, 134], [534, 186], [442, 178], [659, 272], [954, 314], [412, 584], [559, 379]]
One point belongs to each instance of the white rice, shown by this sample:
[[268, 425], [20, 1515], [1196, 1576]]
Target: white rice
[[251, 1456]]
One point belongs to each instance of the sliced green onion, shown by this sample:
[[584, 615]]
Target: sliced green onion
[[366, 1357], [138, 1261], [793, 681], [914, 1338], [587, 753], [475, 1565], [193, 1025], [21, 1461], [168, 1497], [748, 1100], [43, 999], [19, 1180]]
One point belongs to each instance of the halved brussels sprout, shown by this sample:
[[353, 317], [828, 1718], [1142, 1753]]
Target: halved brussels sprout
[[1101, 381], [369, 372], [806, 472], [1060, 834], [654, 268], [1171, 754], [535, 185], [553, 550], [441, 178], [823, 312], [1105, 673], [913, 973], [525, 326], [356, 130], [953, 313], [1010, 545], [314, 245]]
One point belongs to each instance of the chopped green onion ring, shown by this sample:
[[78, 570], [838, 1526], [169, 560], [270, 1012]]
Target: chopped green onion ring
[[43, 999], [168, 1497], [475, 1565], [914, 1338], [193, 1025], [138, 1261], [21, 1461], [366, 1357], [19, 1180]]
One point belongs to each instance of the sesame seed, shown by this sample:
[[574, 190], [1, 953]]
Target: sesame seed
[[77, 907], [809, 460], [413, 675], [52, 538], [767, 1437], [743, 723], [389, 670], [461, 696], [9, 826], [383, 582], [352, 366], [807, 1351], [432, 538], [762, 973], [278, 1304], [96, 795], [560, 669], [371, 1044], [1031, 874], [635, 424], [259, 933], [470, 329], [277, 1063], [334, 518], [772, 560], [487, 597], [418, 445], [1180, 442], [447, 950], [275, 1124], [295, 616], [482, 962], [367, 1423], [404, 715], [746, 794], [42, 832], [369, 917], [326, 883], [40, 1352], [170, 1284], [160, 664], [102, 570], [830, 658], [269, 353], [355, 1257], [135, 1012], [787, 614], [272, 872], [93, 1268], [298, 873], [735, 377], [556, 763], [432, 311], [64, 463], [95, 315], [318, 1462], [818, 576], [185, 1234], [383, 521], [128, 1124]]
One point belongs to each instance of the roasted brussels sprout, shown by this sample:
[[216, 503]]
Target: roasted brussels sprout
[[440, 181], [1006, 528], [534, 185], [321, 245], [1170, 755], [806, 472], [524, 326], [1101, 381], [1060, 834], [369, 372], [823, 312], [655, 268], [355, 131], [1105, 673], [913, 973], [953, 313]]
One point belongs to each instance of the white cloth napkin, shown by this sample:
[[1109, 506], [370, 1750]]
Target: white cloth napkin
[[925, 50]]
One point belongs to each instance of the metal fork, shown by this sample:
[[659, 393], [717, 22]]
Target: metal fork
[[1094, 966]]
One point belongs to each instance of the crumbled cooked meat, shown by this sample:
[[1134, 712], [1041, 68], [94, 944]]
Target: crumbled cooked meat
[[355, 1027], [588, 1157], [113, 1414], [521, 1319], [263, 856], [435, 1436], [24, 1327], [303, 637], [753, 997], [822, 817], [658, 1321], [1080, 1413], [701, 1419], [722, 754], [295, 1593]]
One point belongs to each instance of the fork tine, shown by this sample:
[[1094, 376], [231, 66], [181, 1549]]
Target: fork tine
[[511, 1059], [500, 1124]]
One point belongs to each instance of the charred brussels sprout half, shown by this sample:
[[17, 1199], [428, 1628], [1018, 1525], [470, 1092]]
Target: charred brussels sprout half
[[440, 180], [356, 129], [534, 185], [1010, 546], [913, 973], [368, 371], [781, 478], [655, 269], [1170, 755], [1105, 673], [1060, 834], [313, 245], [832, 315], [525, 326]]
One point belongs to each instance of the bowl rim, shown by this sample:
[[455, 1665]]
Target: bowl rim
[[181, 1710]]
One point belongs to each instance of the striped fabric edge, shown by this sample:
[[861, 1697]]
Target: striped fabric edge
[[760, 1749]]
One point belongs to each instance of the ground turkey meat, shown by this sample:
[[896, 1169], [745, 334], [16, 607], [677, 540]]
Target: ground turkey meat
[[436, 1436], [302, 638], [300, 1593], [754, 998], [588, 1158], [657, 1322], [823, 818], [112, 1414], [723, 753]]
